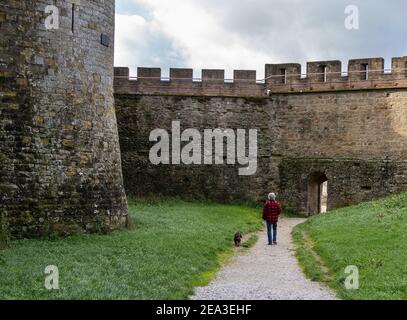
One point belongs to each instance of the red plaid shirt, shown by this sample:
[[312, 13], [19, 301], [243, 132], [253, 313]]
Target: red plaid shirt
[[271, 211]]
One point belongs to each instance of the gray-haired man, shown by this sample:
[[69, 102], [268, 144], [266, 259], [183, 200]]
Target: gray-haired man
[[271, 211]]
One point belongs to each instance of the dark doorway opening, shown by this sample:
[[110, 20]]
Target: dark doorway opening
[[317, 193]]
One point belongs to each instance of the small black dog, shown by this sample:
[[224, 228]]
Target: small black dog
[[238, 239]]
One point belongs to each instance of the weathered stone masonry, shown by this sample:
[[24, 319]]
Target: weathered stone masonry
[[350, 128], [60, 162], [60, 168]]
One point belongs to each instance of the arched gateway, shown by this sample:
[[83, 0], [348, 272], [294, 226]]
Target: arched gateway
[[317, 193]]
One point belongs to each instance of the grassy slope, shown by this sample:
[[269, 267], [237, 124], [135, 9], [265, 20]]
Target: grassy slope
[[372, 236], [175, 246]]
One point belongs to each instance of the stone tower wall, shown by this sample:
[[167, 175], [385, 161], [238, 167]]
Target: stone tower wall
[[60, 156]]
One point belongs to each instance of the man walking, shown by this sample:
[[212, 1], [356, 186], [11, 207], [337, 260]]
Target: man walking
[[271, 211]]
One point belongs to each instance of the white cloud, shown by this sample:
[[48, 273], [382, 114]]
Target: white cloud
[[246, 34], [193, 30], [129, 31], [140, 42], [198, 31]]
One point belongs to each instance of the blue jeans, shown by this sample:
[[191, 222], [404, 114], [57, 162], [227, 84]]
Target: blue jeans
[[272, 236]]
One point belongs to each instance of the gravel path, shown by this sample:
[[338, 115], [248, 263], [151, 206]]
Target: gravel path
[[265, 273]]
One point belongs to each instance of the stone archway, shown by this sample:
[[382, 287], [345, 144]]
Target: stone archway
[[317, 201]]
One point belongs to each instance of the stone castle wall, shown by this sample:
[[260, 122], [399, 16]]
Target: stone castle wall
[[357, 139], [138, 115], [355, 136], [60, 168]]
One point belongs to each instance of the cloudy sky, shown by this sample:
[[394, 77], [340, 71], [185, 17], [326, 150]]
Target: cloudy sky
[[246, 34]]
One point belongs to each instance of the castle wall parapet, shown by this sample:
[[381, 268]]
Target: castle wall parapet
[[362, 74]]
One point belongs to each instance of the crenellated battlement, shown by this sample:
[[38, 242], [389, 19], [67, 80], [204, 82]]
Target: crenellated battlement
[[181, 81], [362, 74]]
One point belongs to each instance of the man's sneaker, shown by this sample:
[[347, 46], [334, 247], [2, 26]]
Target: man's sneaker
[[275, 242], [270, 243]]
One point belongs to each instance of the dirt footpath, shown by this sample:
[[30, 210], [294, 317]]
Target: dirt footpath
[[265, 273]]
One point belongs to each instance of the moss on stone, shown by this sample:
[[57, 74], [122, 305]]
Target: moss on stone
[[4, 231]]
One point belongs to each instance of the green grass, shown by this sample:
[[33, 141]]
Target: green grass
[[307, 257], [175, 246], [251, 241], [371, 236]]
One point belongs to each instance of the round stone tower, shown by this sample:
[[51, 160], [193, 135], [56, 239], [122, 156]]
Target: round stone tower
[[60, 167]]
